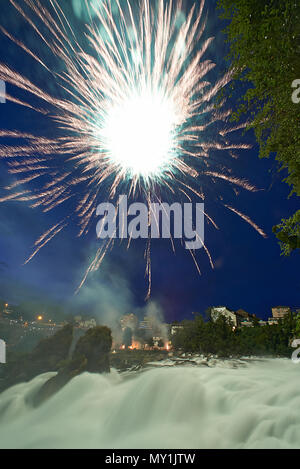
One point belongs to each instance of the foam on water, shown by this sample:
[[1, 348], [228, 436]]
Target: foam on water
[[257, 406]]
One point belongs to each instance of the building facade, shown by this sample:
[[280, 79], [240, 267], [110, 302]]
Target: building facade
[[129, 321], [217, 312], [279, 312], [89, 324]]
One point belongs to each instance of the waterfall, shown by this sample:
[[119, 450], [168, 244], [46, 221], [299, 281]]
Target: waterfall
[[254, 406]]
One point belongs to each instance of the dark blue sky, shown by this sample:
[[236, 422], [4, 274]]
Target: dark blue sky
[[249, 272]]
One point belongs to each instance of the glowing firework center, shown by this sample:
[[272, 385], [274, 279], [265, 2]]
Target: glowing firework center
[[139, 134]]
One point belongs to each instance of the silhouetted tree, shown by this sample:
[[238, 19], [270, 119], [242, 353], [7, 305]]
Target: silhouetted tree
[[264, 38]]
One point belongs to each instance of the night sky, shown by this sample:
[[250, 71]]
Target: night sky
[[249, 271]]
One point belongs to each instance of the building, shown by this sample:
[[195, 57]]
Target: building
[[129, 320], [88, 324], [146, 324], [246, 323], [217, 312], [262, 323], [175, 328], [243, 318], [272, 321], [279, 312]]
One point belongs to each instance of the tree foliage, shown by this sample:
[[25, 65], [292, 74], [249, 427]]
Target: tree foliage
[[288, 233], [220, 337], [264, 40]]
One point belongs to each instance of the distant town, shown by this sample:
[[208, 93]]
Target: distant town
[[129, 333]]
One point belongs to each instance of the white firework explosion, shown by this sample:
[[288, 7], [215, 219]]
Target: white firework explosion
[[139, 114]]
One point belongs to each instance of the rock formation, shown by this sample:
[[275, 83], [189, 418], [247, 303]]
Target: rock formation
[[47, 356], [91, 355]]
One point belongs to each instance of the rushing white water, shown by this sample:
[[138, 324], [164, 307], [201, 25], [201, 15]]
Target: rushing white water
[[256, 406]]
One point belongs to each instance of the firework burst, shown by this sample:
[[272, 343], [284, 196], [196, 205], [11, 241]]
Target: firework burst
[[139, 114]]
